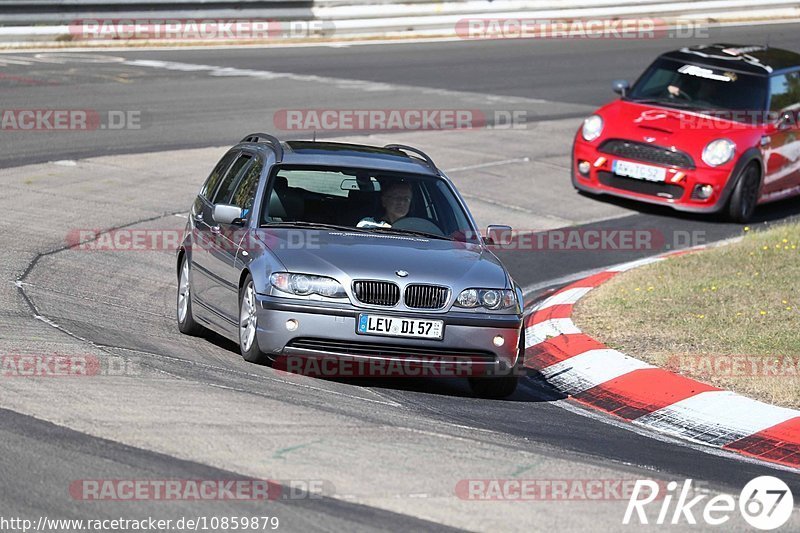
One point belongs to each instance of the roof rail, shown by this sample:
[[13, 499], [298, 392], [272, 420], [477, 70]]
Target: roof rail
[[415, 151], [273, 142]]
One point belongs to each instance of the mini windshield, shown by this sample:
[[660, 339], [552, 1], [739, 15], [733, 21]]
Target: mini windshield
[[366, 201], [676, 84]]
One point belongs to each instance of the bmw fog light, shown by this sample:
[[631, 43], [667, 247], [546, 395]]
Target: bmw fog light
[[584, 167], [292, 324], [499, 341]]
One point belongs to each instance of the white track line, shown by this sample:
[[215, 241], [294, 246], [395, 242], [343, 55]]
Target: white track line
[[589, 369], [542, 331], [716, 417], [565, 297]]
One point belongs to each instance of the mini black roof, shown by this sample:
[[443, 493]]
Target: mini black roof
[[755, 59]]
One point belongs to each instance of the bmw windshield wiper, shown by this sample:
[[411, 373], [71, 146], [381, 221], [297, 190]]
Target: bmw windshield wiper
[[382, 229], [313, 225]]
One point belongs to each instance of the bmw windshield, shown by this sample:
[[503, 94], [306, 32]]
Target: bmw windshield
[[699, 88], [366, 201]]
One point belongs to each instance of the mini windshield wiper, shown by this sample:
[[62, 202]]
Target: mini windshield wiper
[[669, 102], [382, 229]]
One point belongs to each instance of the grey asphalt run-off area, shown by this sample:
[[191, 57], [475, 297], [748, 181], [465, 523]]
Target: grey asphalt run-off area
[[388, 454]]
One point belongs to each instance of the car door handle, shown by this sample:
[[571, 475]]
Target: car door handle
[[215, 230]]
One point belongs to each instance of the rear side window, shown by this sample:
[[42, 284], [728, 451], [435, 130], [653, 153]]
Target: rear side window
[[785, 90], [216, 175], [232, 178], [245, 192]]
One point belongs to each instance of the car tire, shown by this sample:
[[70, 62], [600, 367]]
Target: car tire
[[186, 322], [744, 198], [248, 325]]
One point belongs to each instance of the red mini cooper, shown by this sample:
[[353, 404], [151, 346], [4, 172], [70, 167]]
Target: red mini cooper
[[705, 129]]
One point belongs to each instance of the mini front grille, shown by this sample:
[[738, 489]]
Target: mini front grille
[[372, 349], [426, 296], [648, 153], [377, 292], [653, 188]]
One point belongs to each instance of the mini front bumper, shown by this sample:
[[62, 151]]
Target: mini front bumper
[[601, 180], [330, 331]]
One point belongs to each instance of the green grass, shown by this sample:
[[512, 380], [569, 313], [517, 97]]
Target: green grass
[[690, 313]]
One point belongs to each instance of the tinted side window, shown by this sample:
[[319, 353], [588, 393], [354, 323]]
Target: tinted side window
[[785, 91], [233, 176], [245, 192], [213, 179]]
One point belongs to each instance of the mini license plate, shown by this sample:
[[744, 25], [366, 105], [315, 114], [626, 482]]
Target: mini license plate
[[393, 326], [639, 172]]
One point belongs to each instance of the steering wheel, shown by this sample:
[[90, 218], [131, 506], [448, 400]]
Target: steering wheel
[[418, 224]]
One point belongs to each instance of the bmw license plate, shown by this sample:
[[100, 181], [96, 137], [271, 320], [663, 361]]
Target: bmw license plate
[[394, 326], [639, 172]]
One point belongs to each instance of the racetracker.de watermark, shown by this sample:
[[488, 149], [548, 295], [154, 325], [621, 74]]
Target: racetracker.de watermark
[[546, 489], [69, 366], [594, 240], [784, 366], [197, 29], [729, 120], [199, 489], [237, 238], [393, 119], [618, 28], [404, 365], [41, 119]]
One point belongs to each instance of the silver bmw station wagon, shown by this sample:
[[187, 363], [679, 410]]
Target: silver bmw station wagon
[[309, 250]]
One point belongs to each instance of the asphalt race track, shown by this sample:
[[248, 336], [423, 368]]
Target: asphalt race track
[[387, 454]]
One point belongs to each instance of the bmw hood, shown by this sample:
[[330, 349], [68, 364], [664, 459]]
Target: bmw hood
[[361, 255]]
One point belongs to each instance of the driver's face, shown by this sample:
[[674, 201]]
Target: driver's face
[[396, 202]]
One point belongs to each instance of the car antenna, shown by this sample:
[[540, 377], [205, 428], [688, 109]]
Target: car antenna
[[314, 136]]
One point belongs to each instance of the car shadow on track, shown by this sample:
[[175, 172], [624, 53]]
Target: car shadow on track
[[532, 387], [772, 212]]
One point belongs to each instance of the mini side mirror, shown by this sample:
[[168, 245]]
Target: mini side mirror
[[787, 120], [620, 87]]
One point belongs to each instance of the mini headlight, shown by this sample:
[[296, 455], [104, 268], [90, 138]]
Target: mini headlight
[[306, 284], [592, 127], [492, 299], [719, 152]]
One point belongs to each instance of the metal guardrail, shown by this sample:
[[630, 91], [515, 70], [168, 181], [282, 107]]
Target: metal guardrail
[[40, 20], [41, 12]]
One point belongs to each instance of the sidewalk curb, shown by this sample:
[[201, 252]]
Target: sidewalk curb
[[608, 380]]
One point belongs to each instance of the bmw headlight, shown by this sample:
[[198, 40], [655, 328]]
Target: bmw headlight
[[306, 285], [719, 152], [592, 127], [492, 299]]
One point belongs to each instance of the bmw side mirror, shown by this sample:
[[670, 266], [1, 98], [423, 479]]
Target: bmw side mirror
[[620, 87], [499, 235], [227, 214]]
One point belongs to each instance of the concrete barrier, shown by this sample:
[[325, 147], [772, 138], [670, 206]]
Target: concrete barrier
[[30, 21]]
